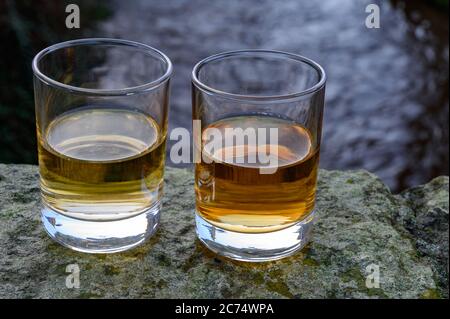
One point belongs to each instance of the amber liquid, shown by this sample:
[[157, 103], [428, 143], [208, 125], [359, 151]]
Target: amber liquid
[[101, 164], [238, 197]]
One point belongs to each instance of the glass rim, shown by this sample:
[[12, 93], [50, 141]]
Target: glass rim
[[259, 53], [101, 41]]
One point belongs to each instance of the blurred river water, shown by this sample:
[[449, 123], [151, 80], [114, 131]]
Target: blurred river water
[[387, 92]]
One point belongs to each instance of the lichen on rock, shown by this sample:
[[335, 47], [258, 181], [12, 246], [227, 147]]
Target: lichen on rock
[[360, 227]]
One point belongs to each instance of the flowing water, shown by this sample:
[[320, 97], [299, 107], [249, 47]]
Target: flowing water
[[387, 92]]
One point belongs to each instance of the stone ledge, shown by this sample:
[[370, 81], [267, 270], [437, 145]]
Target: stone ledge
[[359, 223]]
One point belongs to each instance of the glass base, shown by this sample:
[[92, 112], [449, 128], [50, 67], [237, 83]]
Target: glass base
[[255, 247], [101, 236]]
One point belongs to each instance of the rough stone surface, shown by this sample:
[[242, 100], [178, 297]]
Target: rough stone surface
[[360, 226]]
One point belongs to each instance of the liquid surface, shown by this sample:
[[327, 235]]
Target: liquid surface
[[102, 135], [294, 142], [239, 197], [101, 163]]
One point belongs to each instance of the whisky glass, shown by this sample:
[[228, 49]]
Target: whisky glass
[[257, 121], [101, 119]]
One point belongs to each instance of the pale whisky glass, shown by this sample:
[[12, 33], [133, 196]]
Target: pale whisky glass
[[101, 118]]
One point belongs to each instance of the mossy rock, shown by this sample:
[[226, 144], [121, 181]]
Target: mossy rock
[[360, 225]]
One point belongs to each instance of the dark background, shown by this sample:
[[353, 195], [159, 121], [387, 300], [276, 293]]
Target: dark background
[[387, 94]]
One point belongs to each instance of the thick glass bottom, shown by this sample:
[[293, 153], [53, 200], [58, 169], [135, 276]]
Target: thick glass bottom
[[255, 247], [101, 236]]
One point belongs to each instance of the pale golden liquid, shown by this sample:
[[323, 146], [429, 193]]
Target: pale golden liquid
[[101, 164], [239, 198]]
